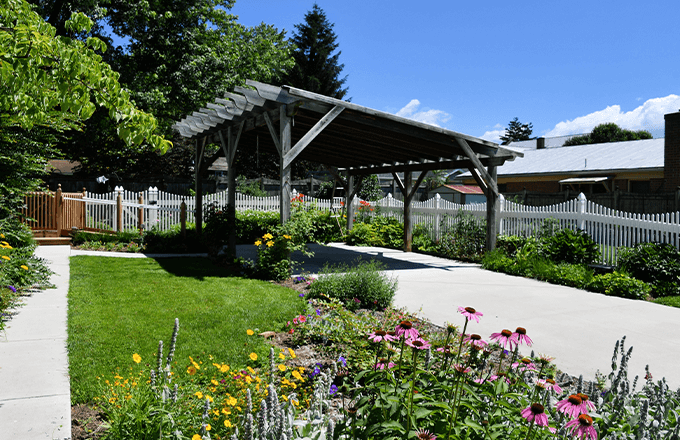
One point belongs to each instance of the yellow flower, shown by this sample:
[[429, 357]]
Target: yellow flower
[[251, 370], [295, 402], [232, 401], [249, 332], [292, 353], [286, 236], [137, 358], [270, 243], [282, 356], [210, 399], [227, 423], [267, 236], [24, 267], [258, 242], [196, 437], [253, 356], [249, 379], [191, 370], [282, 367], [224, 368], [6, 257], [208, 427], [111, 400], [198, 394], [296, 374], [2, 235], [214, 382]]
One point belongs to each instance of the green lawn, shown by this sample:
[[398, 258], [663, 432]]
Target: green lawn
[[120, 306], [673, 301]]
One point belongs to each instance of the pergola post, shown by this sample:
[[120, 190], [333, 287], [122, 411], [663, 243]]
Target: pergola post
[[198, 211], [286, 187], [492, 204], [408, 226], [349, 198]]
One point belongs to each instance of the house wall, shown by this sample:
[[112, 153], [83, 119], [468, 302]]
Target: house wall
[[672, 152]]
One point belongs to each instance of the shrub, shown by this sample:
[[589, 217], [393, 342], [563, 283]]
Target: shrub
[[567, 246], [619, 284], [361, 285], [249, 225], [655, 263], [422, 241], [377, 231], [465, 240], [510, 244]]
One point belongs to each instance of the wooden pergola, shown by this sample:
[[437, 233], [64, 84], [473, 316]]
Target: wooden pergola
[[352, 141]]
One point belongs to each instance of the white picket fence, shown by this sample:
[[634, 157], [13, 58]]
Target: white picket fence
[[609, 228]]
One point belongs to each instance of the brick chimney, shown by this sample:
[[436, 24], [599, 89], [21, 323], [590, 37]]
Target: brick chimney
[[671, 163]]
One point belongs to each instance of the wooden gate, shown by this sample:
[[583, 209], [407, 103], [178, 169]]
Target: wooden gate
[[54, 211]]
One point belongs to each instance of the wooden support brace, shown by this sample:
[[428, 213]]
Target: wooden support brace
[[483, 174], [400, 184], [272, 131], [311, 134]]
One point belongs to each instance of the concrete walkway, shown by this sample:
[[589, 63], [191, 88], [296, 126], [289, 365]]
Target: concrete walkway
[[578, 328]]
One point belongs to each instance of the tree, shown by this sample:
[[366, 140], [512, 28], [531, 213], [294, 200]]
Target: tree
[[517, 131], [48, 85], [178, 57], [316, 66], [370, 189], [608, 132]]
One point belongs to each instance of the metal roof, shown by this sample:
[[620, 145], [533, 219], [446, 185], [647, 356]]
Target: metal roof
[[644, 154], [464, 189], [353, 137]]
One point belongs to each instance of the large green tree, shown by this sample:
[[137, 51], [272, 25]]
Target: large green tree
[[177, 56], [317, 68], [517, 131], [50, 84], [609, 132]]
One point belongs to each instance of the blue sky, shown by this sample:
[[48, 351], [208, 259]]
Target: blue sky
[[473, 66]]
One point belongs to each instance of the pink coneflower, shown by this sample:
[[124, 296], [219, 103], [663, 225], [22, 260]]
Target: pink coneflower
[[520, 336], [504, 338], [461, 369], [470, 313], [422, 434], [524, 364], [475, 340], [381, 335], [571, 406], [382, 364], [405, 329], [536, 413], [445, 349], [587, 404], [549, 384], [419, 343], [582, 427]]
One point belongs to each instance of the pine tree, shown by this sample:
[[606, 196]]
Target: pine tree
[[316, 66], [517, 131]]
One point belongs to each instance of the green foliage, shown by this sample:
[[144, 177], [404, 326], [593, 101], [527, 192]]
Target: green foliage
[[370, 189], [465, 240], [655, 263], [620, 284], [316, 67], [608, 132], [517, 131], [360, 285], [568, 246], [377, 231], [510, 244], [251, 188], [249, 226], [421, 240]]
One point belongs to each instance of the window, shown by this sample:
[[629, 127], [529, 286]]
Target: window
[[640, 186]]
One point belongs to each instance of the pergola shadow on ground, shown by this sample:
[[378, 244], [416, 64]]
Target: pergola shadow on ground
[[350, 140]]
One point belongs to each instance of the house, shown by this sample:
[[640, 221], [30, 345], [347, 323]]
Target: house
[[643, 166], [462, 194]]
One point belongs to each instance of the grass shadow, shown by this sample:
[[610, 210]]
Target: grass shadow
[[198, 268]]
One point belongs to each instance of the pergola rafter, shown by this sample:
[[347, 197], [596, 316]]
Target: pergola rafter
[[356, 140]]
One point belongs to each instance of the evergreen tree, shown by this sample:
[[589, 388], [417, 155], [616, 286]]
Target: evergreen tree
[[609, 132], [316, 66], [517, 131]]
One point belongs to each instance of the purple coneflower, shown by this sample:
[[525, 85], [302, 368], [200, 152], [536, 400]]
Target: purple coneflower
[[419, 343], [536, 413], [504, 338], [405, 329], [382, 364], [524, 364], [461, 369], [422, 434], [520, 336], [571, 406], [549, 384], [582, 427], [587, 404], [380, 335], [475, 340], [470, 313]]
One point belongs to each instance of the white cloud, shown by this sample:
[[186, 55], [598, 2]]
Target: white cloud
[[645, 117], [428, 116], [494, 135]]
